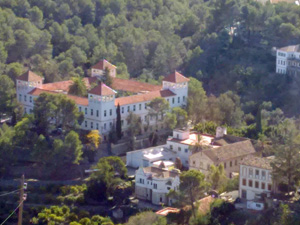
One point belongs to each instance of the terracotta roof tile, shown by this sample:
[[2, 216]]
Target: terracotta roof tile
[[78, 100], [102, 89], [259, 162], [103, 64], [133, 86], [290, 48], [143, 97], [176, 78], [65, 85], [30, 76]]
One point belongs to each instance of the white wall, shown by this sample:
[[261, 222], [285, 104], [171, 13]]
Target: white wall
[[182, 151], [281, 62]]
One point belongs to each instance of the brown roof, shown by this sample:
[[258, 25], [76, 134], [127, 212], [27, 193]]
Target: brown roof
[[176, 78], [102, 89], [264, 163], [30, 76], [143, 97], [290, 48], [65, 85], [103, 64], [133, 85], [204, 205], [160, 173], [230, 151], [78, 100], [228, 139]]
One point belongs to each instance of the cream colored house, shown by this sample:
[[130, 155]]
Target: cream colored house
[[230, 155], [256, 178], [154, 183]]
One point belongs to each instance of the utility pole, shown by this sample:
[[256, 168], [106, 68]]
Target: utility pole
[[20, 216]]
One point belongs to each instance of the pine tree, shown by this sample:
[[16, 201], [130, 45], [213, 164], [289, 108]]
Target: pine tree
[[119, 123]]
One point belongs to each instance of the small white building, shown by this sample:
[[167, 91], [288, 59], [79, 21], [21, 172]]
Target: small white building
[[154, 183], [288, 60], [256, 178], [150, 157]]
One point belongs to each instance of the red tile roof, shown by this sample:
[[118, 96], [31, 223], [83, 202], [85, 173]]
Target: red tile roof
[[102, 89], [176, 78], [103, 64], [133, 86], [143, 97], [30, 76], [65, 85], [78, 100]]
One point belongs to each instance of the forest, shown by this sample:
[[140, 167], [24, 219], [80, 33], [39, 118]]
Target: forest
[[228, 44]]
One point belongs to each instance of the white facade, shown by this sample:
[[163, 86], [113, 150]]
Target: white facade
[[149, 157], [288, 60], [152, 187], [254, 181], [100, 110]]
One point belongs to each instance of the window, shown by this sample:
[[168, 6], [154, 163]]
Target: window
[[133, 107], [104, 113], [30, 99], [168, 188], [177, 136], [183, 98], [110, 124], [104, 126], [235, 162], [194, 162], [145, 106], [141, 181], [128, 108], [250, 183], [25, 98], [155, 186], [256, 173], [179, 149], [186, 150], [263, 185], [20, 97], [224, 165], [244, 182], [178, 99], [79, 108], [97, 126], [171, 146], [92, 112], [122, 109], [230, 163], [256, 184], [140, 106], [85, 111], [85, 123], [263, 174], [97, 113], [92, 125], [122, 122], [269, 187], [110, 112], [173, 100], [250, 172]]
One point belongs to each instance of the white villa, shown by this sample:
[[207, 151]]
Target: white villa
[[256, 178], [288, 60], [154, 183], [99, 107]]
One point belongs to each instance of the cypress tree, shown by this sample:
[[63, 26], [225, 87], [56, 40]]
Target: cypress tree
[[119, 123]]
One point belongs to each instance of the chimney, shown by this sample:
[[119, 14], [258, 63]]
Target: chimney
[[220, 132]]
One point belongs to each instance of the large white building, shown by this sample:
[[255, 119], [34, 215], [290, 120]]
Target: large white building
[[256, 178], [154, 183], [288, 60], [99, 107]]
